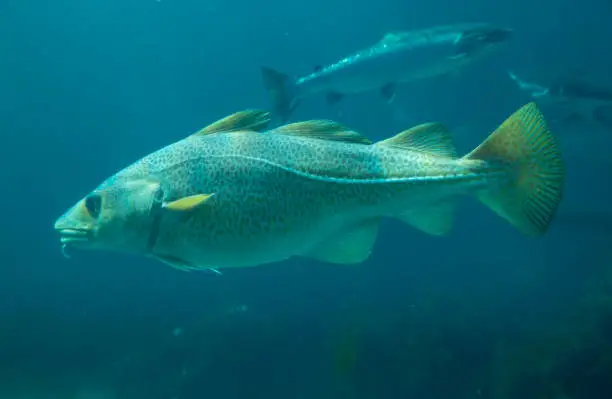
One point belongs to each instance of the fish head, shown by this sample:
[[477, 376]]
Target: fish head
[[481, 39], [117, 216]]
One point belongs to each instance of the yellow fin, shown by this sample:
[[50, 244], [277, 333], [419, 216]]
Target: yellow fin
[[322, 130], [435, 219], [248, 120], [188, 203], [525, 148], [432, 138], [349, 246]]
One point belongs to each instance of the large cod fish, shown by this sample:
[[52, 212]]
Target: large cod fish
[[235, 195], [398, 57]]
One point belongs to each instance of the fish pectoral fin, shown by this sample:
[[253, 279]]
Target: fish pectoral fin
[[434, 219], [351, 245], [183, 265], [250, 120], [388, 92], [322, 130], [188, 203], [175, 262], [432, 138], [333, 97]]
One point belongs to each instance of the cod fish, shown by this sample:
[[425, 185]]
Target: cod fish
[[576, 100], [398, 57], [236, 195]]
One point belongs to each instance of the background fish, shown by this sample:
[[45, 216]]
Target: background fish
[[575, 99], [399, 57], [232, 195]]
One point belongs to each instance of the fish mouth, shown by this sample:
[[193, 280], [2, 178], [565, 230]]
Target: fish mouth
[[69, 236]]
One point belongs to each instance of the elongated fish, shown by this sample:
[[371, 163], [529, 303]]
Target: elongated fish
[[398, 57], [237, 195], [576, 100]]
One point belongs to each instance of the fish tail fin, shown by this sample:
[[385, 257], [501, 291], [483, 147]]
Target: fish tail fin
[[281, 91], [527, 152]]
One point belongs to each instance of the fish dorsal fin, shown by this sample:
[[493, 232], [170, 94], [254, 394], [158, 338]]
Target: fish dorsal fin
[[253, 120], [432, 138], [322, 130]]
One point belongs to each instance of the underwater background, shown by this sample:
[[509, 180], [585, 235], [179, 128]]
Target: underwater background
[[87, 87]]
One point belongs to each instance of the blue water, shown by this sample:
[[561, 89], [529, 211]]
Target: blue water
[[87, 87]]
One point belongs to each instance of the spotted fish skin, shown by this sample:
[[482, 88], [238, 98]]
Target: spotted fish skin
[[313, 189], [279, 203]]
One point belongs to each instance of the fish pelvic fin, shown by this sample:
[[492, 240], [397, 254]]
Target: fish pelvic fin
[[525, 148], [281, 92], [183, 265]]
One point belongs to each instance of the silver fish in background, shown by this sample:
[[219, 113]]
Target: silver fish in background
[[237, 195], [574, 99], [397, 58]]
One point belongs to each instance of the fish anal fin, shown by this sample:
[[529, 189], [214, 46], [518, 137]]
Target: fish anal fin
[[333, 97], [188, 203], [248, 120], [432, 138], [388, 92], [351, 245], [434, 219], [322, 130]]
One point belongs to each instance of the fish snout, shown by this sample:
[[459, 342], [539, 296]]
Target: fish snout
[[73, 233]]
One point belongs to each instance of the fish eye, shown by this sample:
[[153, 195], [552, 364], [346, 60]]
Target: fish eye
[[93, 203]]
